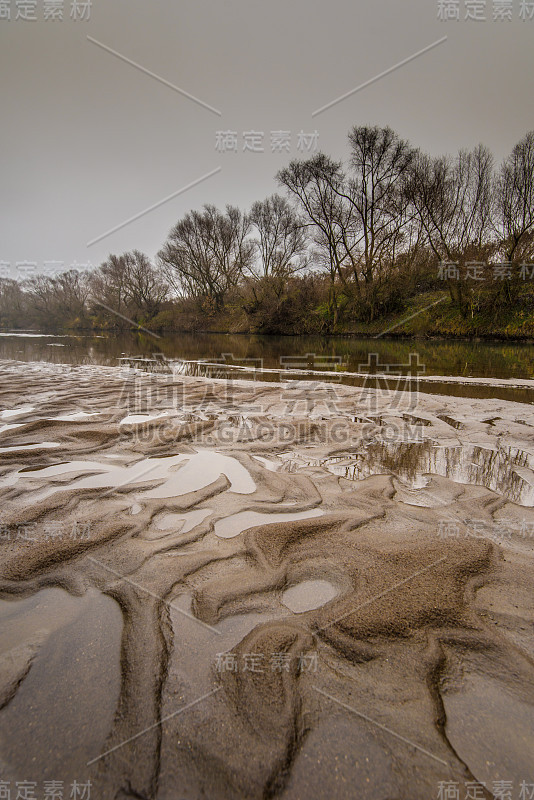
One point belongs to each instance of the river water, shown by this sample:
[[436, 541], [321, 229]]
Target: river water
[[480, 367]]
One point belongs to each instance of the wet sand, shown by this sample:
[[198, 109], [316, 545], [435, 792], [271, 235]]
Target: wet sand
[[250, 590]]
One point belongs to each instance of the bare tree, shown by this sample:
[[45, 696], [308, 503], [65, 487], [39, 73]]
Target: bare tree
[[382, 222], [282, 241], [453, 199], [362, 220], [12, 303], [110, 283], [146, 289], [130, 285], [59, 300], [318, 186], [207, 253], [380, 163], [514, 200]]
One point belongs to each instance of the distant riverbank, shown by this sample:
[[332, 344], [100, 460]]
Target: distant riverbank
[[429, 315]]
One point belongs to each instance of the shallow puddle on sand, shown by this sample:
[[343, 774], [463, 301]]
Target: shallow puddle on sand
[[506, 472], [308, 595], [272, 466], [63, 710], [178, 474], [196, 648], [200, 470], [173, 523], [491, 729], [75, 416], [359, 766], [11, 426], [139, 419], [40, 446], [16, 412], [198, 651], [232, 526], [196, 667]]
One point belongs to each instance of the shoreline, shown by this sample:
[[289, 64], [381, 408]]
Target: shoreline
[[485, 338], [505, 388]]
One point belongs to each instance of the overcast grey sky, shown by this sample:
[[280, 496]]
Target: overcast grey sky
[[90, 141]]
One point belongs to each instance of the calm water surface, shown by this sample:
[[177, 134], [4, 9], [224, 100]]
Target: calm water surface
[[437, 357]]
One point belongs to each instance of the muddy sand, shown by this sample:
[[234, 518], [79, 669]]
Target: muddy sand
[[214, 589]]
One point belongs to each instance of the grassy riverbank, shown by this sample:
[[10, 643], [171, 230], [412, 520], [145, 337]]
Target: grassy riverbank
[[429, 314]]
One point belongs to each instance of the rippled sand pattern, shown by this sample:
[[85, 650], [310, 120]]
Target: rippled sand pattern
[[178, 524]]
